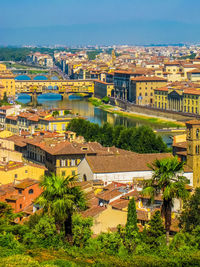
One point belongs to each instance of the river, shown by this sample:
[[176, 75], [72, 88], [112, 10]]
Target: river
[[83, 107]]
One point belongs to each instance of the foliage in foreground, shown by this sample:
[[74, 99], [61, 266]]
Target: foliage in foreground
[[39, 243]]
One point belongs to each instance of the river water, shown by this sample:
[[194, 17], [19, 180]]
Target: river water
[[83, 107]]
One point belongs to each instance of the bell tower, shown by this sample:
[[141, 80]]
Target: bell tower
[[193, 149]]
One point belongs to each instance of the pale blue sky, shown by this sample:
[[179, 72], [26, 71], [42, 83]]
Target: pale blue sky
[[99, 21]]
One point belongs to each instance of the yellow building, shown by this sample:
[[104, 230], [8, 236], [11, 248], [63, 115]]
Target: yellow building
[[7, 82], [52, 123], [55, 120], [102, 89], [194, 75], [19, 171], [193, 149], [142, 89], [174, 71], [60, 156], [178, 98]]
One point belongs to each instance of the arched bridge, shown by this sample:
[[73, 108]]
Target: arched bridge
[[63, 87]]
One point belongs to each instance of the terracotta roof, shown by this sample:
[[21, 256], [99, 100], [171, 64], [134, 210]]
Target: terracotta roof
[[14, 118], [26, 183], [11, 166], [180, 144], [194, 71], [120, 203], [148, 79], [110, 194], [6, 107], [98, 81], [92, 212], [165, 88], [142, 215], [174, 63], [123, 163], [193, 122], [18, 140]]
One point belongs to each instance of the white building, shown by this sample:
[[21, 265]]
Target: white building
[[121, 168]]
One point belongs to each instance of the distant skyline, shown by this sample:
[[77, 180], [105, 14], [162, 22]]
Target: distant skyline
[[111, 22]]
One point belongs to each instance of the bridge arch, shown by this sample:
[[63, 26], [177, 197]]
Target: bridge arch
[[40, 78], [22, 78]]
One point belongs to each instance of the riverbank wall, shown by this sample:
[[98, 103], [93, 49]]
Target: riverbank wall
[[145, 110]]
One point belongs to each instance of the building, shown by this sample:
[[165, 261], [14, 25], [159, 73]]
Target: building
[[193, 149], [194, 75], [11, 171], [121, 168], [8, 153], [20, 194], [173, 71], [102, 89], [32, 121], [181, 98], [142, 89], [7, 82]]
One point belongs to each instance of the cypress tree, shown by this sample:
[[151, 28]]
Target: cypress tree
[[131, 224], [156, 228]]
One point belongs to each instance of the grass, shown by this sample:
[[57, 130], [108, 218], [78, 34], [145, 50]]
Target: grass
[[153, 120]]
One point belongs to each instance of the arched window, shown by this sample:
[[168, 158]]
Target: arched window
[[30, 191], [197, 133], [84, 177], [197, 149]]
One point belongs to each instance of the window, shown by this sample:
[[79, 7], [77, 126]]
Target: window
[[73, 173], [197, 133], [63, 173], [84, 177], [20, 206], [62, 163], [73, 162], [63, 127], [197, 149], [30, 191], [20, 191], [15, 176], [26, 171]]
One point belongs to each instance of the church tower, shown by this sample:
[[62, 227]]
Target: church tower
[[113, 57], [193, 149]]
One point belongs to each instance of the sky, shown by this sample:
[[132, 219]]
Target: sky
[[99, 22]]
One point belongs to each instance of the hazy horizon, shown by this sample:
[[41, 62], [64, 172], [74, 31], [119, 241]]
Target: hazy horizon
[[111, 22]]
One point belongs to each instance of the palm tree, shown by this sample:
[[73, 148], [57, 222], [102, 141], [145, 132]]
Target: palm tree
[[60, 199], [168, 180]]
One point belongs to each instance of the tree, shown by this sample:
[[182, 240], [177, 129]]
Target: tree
[[5, 98], [190, 216], [6, 214], [131, 224], [81, 229], [168, 180], [155, 229], [138, 139], [60, 199], [55, 113], [66, 112], [105, 99]]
